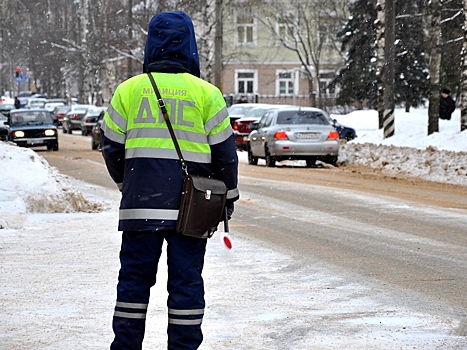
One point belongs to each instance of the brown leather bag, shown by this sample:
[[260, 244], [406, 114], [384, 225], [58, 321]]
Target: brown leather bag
[[203, 198], [201, 206]]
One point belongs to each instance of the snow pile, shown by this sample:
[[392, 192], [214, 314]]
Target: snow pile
[[439, 157], [30, 185], [430, 164]]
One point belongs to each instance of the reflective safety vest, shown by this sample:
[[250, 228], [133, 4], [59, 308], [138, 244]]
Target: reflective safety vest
[[196, 109], [152, 176]]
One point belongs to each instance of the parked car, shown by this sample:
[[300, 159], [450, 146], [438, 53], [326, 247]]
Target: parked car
[[63, 101], [25, 93], [58, 114], [293, 133], [23, 100], [50, 106], [5, 108], [239, 110], [4, 127], [90, 119], [33, 127], [241, 126], [38, 95], [345, 132], [96, 141], [72, 119], [35, 102]]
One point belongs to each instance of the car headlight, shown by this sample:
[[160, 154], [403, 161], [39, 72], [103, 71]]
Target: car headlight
[[18, 134], [49, 132]]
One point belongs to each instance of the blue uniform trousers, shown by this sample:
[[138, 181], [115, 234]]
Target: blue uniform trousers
[[139, 256]]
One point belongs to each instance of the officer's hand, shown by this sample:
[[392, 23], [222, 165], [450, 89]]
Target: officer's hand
[[230, 210]]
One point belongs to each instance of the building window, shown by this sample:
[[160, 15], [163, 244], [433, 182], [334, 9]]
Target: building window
[[246, 82], [325, 79], [284, 29], [285, 83], [245, 24]]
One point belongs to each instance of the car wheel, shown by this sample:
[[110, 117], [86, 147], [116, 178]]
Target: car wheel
[[349, 137], [331, 160], [52, 147], [270, 160], [251, 159], [311, 163]]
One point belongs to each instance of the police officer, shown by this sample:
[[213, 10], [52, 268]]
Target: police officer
[[141, 158]]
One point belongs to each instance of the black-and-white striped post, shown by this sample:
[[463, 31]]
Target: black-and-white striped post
[[388, 124]]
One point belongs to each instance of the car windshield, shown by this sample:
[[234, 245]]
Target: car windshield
[[94, 112], [62, 109], [52, 105], [79, 109], [235, 110], [301, 117], [6, 107], [30, 117], [256, 112], [36, 102]]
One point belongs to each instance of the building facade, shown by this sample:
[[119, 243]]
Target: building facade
[[281, 51]]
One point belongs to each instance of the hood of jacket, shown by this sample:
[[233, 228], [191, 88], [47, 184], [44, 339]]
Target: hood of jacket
[[171, 44]]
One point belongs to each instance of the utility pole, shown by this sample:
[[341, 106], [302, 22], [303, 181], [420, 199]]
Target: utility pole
[[218, 45]]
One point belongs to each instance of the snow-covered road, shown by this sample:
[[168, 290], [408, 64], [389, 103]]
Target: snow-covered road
[[58, 276]]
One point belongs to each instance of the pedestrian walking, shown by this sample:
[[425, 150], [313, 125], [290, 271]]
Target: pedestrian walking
[[141, 159]]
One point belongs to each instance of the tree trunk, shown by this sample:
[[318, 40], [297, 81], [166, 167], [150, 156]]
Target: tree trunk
[[218, 45], [389, 55], [434, 28], [130, 39], [380, 68], [463, 89]]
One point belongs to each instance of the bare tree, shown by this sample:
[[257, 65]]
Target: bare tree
[[305, 28], [463, 89], [434, 29], [380, 44]]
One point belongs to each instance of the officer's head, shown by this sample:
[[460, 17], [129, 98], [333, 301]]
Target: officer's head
[[171, 39]]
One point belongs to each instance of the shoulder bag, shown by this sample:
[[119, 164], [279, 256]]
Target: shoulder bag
[[203, 198]]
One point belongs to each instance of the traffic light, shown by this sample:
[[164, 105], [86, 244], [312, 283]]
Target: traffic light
[[17, 71]]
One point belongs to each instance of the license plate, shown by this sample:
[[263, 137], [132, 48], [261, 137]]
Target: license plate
[[308, 135]]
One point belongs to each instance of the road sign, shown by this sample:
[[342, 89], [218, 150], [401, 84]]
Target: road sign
[[22, 79]]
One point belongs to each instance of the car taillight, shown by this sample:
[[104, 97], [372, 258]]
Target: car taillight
[[333, 135], [88, 120], [235, 125], [75, 116], [281, 135]]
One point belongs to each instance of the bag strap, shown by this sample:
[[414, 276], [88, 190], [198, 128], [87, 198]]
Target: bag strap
[[167, 121]]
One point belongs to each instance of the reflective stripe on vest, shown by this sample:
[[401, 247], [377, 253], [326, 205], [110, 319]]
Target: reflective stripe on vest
[[150, 214]]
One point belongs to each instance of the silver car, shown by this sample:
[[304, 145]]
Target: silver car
[[293, 133]]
